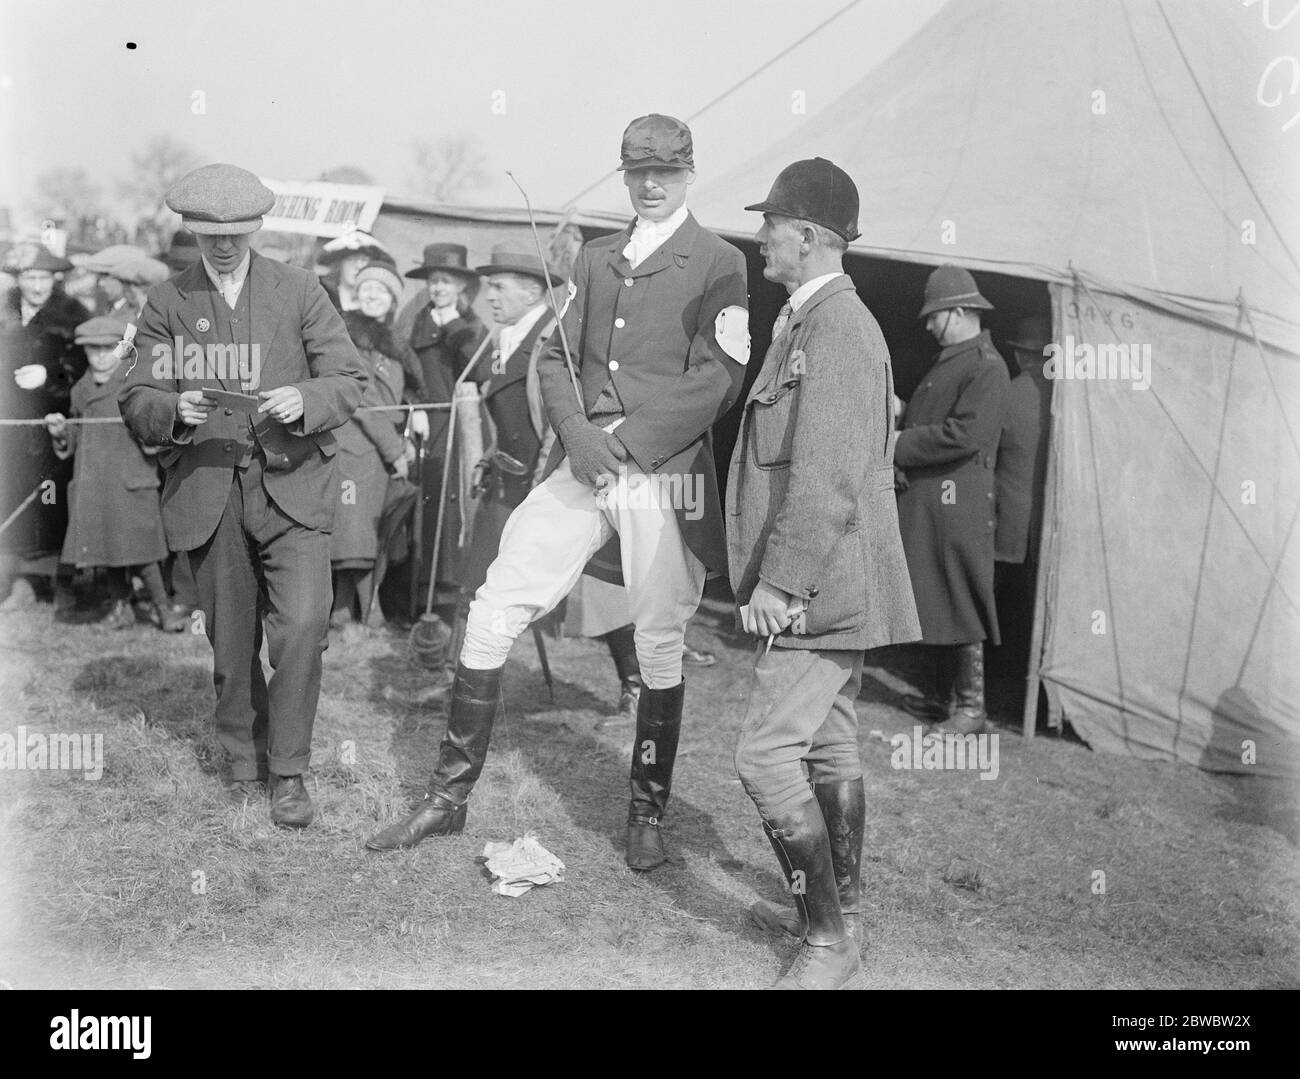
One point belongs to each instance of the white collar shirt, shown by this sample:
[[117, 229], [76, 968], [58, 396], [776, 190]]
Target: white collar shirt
[[649, 236]]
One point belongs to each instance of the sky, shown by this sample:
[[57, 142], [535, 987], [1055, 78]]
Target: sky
[[289, 88]]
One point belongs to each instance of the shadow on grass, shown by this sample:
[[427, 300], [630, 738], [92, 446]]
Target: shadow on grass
[[590, 778]]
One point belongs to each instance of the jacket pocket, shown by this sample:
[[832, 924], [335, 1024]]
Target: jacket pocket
[[772, 415], [839, 606]]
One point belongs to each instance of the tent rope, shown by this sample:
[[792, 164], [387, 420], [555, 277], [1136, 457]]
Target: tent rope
[[731, 89]]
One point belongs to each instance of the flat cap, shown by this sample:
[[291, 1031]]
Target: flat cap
[[101, 330], [106, 261], [141, 271], [657, 141], [221, 200]]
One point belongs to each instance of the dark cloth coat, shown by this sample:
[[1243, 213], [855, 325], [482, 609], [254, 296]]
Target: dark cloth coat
[[115, 517], [1022, 465], [513, 401], [947, 450], [652, 335], [302, 342], [369, 443], [443, 352], [27, 455], [810, 502]]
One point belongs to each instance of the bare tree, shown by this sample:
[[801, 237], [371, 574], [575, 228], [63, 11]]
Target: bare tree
[[162, 162], [67, 194], [449, 167]]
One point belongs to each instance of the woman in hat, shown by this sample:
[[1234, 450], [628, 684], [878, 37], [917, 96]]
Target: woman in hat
[[342, 259], [445, 334], [371, 446], [39, 362]]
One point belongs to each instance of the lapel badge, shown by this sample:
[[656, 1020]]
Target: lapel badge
[[203, 325]]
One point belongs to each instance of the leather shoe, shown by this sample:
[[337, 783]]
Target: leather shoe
[[823, 966], [290, 803], [242, 791], [645, 846], [436, 816]]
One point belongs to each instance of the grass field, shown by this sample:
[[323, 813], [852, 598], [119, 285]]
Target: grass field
[[146, 877]]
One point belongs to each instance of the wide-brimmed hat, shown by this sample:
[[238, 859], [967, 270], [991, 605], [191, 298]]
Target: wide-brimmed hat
[[951, 286], [1033, 334], [444, 258], [221, 200], [35, 257], [506, 260], [354, 242], [815, 190], [182, 252]]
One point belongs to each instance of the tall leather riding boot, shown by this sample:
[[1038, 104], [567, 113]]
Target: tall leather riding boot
[[844, 810], [658, 726], [474, 697], [969, 715], [933, 703], [828, 955], [622, 648]]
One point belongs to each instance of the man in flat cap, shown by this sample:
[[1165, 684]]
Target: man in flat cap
[[946, 452], [656, 321], [817, 563], [250, 484]]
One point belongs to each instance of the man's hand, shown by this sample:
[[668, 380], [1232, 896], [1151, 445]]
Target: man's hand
[[768, 611], [30, 376], [401, 467], [900, 479], [192, 407], [284, 403], [592, 452], [420, 424], [56, 423]]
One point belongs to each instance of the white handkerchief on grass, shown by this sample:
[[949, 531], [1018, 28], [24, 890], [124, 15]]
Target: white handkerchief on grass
[[520, 866]]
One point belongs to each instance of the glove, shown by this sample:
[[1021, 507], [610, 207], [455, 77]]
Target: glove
[[592, 452]]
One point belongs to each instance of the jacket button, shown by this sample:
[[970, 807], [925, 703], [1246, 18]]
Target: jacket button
[[812, 592], [619, 323], [230, 412], [628, 282], [230, 447], [990, 495], [613, 365]]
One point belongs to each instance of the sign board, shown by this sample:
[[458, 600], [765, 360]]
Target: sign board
[[318, 208]]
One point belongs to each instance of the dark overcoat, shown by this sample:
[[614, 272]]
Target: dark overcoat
[[301, 341], [810, 492], [369, 443], [115, 517], [443, 353], [671, 338], [948, 449], [27, 458], [1022, 465]]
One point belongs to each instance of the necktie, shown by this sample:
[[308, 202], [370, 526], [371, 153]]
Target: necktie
[[781, 319], [229, 289]]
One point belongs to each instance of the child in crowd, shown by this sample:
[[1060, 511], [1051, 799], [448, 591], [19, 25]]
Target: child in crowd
[[115, 519]]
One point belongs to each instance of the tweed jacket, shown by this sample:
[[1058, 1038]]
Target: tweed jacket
[[810, 500], [301, 341]]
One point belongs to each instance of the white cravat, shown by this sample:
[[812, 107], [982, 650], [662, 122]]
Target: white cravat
[[649, 236], [509, 337]]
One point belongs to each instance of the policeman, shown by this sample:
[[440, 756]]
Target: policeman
[[657, 321], [947, 451]]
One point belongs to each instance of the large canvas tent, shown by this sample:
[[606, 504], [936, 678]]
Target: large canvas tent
[[1133, 159]]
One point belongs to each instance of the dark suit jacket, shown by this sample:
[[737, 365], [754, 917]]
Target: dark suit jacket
[[810, 494], [302, 342], [653, 333]]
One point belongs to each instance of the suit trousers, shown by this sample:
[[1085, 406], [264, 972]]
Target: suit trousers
[[261, 566], [549, 539], [800, 714]]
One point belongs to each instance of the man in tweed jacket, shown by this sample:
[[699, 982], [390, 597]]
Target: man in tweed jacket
[[816, 562]]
